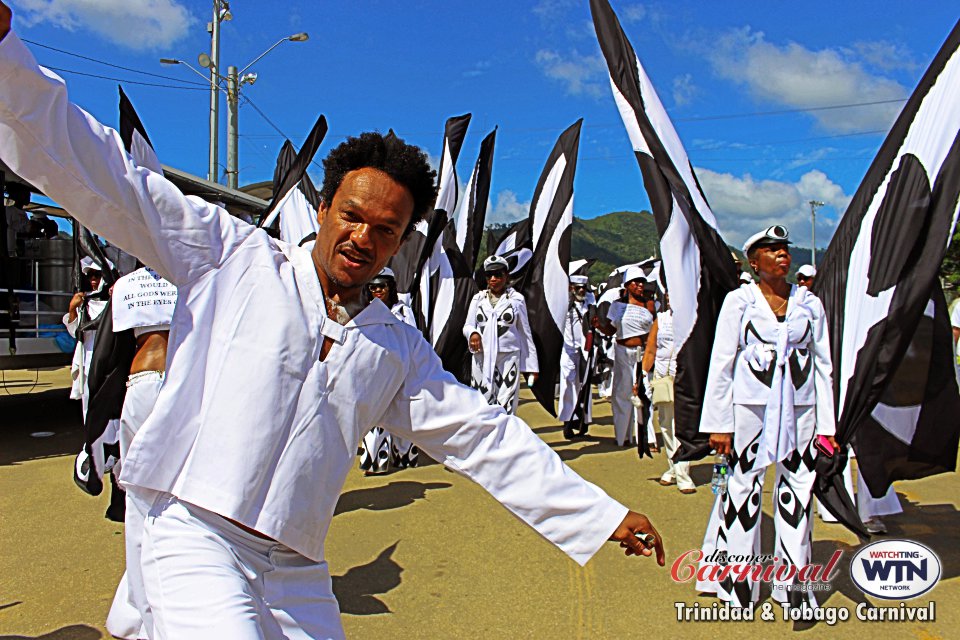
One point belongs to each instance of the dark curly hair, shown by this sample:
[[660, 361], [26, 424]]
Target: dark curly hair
[[403, 162]]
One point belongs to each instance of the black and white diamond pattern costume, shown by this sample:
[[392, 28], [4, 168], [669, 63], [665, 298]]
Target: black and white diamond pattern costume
[[770, 386], [508, 347]]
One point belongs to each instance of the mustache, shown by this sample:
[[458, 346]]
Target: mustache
[[349, 244]]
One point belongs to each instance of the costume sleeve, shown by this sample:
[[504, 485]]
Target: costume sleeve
[[717, 416], [823, 371], [454, 424], [81, 164], [528, 350], [471, 325], [71, 325]]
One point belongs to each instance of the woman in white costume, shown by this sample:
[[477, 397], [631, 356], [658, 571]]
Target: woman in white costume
[[770, 395], [379, 446], [498, 333], [629, 321], [660, 359]]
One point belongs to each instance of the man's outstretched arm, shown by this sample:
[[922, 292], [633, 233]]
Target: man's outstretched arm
[[82, 165]]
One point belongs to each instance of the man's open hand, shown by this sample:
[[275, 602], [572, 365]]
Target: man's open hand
[[626, 534], [6, 18]]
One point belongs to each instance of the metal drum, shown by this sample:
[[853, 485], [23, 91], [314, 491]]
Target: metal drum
[[55, 272]]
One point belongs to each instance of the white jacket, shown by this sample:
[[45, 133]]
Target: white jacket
[[757, 360], [250, 423], [510, 331]]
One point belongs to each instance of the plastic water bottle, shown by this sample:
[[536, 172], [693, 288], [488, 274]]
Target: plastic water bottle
[[721, 471]]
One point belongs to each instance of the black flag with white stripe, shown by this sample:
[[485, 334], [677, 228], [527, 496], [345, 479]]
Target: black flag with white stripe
[[546, 285], [896, 390], [295, 199], [472, 209], [696, 263]]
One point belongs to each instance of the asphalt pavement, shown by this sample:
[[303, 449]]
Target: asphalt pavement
[[424, 553]]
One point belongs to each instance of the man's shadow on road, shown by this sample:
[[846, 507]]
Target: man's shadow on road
[[72, 632], [356, 590], [392, 496]]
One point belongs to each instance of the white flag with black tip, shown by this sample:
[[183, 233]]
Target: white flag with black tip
[[295, 200], [546, 285], [897, 399], [697, 265]]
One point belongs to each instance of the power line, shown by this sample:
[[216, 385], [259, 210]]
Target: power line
[[271, 123], [115, 66], [778, 112], [124, 80]]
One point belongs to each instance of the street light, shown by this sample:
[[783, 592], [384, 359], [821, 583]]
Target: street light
[[221, 12], [814, 205], [235, 80]]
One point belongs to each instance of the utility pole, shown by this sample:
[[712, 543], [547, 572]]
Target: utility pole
[[814, 205], [233, 129], [221, 11]]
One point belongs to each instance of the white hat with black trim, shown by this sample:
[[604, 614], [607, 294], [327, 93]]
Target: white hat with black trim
[[579, 280], [777, 234], [634, 273], [87, 265], [495, 263], [807, 271]]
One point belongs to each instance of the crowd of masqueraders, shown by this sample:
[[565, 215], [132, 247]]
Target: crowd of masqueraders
[[245, 407]]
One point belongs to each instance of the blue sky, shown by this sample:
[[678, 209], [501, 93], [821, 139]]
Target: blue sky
[[738, 79]]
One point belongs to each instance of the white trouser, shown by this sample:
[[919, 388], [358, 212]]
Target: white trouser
[[504, 389], [624, 376], [678, 472], [734, 524], [571, 385], [131, 600], [207, 578]]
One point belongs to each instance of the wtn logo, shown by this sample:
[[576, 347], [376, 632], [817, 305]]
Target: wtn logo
[[903, 570], [895, 569]]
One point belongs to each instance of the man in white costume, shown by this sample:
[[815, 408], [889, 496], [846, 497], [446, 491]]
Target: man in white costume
[[380, 447], [142, 303], [498, 334], [575, 357], [630, 322], [276, 367], [84, 309], [769, 395]]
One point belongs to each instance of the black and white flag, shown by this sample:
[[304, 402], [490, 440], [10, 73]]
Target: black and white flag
[[472, 209], [896, 391], [546, 285], [696, 263], [295, 199]]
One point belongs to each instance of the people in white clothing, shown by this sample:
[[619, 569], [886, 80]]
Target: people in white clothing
[[380, 447], [84, 309], [575, 406], [629, 321], [498, 334], [769, 395], [660, 361], [276, 367]]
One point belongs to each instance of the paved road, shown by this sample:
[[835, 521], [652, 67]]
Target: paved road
[[423, 553]]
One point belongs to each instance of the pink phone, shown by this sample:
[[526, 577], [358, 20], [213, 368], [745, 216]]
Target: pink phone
[[822, 443]]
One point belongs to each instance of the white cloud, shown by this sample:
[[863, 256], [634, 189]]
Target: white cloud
[[549, 10], [135, 24], [632, 13], [797, 77], [683, 90], [508, 209], [883, 55], [744, 205], [581, 75]]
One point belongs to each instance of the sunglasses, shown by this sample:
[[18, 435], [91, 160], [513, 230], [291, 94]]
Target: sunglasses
[[379, 286], [495, 274]]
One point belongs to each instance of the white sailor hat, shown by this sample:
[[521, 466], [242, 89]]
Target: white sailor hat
[[87, 265], [777, 234], [384, 275], [495, 263], [807, 271], [634, 273], [579, 280]]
